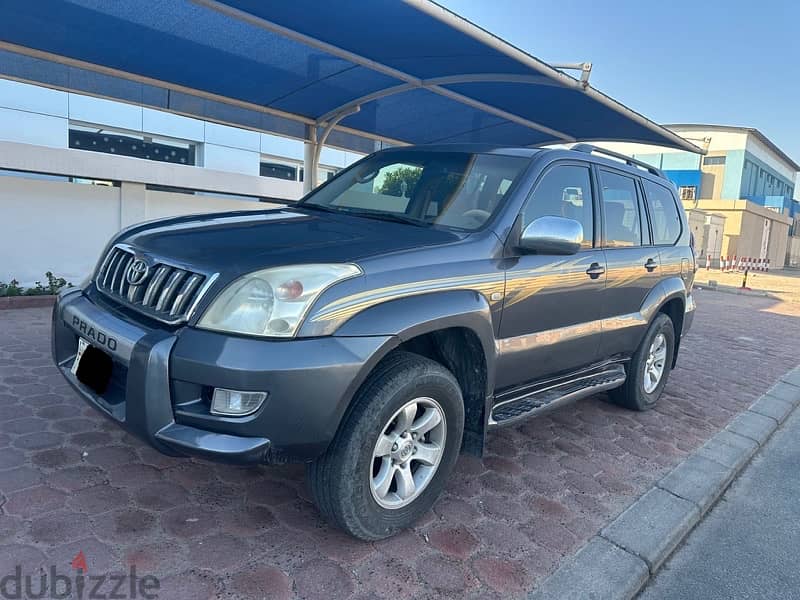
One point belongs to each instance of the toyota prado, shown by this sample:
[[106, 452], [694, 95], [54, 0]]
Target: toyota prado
[[386, 321]]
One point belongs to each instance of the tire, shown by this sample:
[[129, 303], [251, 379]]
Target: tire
[[342, 479], [638, 392]]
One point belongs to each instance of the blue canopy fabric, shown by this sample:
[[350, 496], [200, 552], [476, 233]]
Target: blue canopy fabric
[[404, 71]]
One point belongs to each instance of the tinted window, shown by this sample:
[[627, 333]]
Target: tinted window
[[450, 189], [131, 145], [564, 191], [621, 210], [278, 171], [664, 217]]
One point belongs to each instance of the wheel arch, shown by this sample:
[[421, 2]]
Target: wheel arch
[[453, 328], [669, 297]]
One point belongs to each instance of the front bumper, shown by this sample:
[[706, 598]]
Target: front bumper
[[161, 382]]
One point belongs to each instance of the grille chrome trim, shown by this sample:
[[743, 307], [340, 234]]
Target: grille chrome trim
[[170, 294], [169, 287], [184, 294], [154, 285]]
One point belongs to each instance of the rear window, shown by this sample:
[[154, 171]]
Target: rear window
[[664, 216], [621, 206]]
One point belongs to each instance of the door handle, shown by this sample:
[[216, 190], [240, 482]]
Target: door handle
[[651, 265], [595, 270]]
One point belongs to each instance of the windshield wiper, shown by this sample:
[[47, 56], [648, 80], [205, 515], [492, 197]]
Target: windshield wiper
[[320, 207], [386, 216], [370, 214]]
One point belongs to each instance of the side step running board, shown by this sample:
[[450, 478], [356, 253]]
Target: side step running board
[[549, 398]]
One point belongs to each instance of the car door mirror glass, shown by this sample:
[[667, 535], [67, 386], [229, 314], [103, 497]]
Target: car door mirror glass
[[552, 235]]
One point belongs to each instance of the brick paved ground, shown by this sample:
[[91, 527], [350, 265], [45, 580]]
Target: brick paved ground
[[70, 481]]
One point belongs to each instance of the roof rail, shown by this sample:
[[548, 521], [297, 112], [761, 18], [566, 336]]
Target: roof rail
[[632, 162]]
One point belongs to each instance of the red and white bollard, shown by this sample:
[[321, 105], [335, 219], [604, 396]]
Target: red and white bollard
[[708, 262], [722, 263]]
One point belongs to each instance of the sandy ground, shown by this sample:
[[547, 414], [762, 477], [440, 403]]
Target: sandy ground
[[783, 284]]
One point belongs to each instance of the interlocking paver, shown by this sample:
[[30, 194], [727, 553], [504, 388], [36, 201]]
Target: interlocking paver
[[262, 582], [58, 527], [504, 523]]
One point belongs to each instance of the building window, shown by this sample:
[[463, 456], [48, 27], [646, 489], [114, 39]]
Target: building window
[[323, 174], [712, 161], [687, 192], [137, 146], [278, 171]]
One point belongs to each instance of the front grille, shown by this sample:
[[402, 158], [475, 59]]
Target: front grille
[[166, 293]]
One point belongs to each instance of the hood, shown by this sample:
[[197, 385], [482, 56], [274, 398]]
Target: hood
[[240, 242]]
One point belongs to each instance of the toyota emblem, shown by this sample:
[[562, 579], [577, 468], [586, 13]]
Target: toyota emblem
[[137, 272]]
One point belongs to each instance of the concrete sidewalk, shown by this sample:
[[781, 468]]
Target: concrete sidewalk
[[748, 547]]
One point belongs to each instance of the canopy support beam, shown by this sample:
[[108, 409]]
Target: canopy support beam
[[584, 67], [313, 147], [257, 21], [456, 22]]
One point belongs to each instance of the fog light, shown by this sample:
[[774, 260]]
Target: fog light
[[234, 403]]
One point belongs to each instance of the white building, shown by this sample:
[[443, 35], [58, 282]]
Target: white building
[[75, 169]]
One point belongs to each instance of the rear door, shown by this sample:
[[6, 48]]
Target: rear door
[[667, 227], [552, 308], [632, 261]]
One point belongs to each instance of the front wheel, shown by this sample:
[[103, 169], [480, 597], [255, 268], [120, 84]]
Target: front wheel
[[649, 367], [394, 451]]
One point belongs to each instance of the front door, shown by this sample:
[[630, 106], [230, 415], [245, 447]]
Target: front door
[[552, 308], [632, 260]]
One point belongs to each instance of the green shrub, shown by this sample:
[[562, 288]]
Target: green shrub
[[10, 289], [54, 284]]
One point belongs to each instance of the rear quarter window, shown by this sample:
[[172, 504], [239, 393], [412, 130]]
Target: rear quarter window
[[664, 216]]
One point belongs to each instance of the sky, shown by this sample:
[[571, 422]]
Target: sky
[[701, 61]]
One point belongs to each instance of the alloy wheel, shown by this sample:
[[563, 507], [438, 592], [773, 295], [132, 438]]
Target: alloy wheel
[[407, 453], [654, 366]]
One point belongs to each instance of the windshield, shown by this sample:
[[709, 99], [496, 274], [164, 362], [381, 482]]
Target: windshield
[[449, 189]]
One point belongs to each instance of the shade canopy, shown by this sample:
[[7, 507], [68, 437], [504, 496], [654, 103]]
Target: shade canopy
[[402, 71]]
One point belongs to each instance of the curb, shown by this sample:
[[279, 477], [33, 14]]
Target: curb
[[736, 291], [10, 302], [619, 561]]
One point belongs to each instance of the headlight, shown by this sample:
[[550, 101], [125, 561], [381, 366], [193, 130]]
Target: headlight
[[272, 302]]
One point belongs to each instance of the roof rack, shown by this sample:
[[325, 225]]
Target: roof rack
[[631, 162]]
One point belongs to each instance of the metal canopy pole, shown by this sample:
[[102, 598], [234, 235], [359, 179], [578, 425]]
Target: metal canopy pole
[[315, 143], [309, 152]]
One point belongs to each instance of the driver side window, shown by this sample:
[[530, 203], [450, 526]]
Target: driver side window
[[564, 191]]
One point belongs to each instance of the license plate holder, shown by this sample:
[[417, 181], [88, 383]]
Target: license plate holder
[[92, 367]]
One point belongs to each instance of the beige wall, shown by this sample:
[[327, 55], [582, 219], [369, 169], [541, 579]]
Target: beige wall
[[713, 177], [744, 227], [63, 227], [793, 252]]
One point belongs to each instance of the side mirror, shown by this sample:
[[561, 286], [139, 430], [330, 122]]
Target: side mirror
[[552, 235]]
